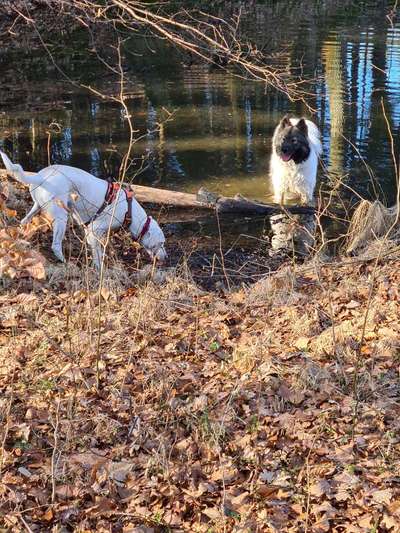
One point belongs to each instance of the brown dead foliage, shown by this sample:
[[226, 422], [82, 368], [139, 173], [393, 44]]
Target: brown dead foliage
[[176, 409], [229, 412], [17, 258]]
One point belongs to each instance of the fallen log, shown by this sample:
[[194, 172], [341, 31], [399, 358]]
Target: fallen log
[[152, 195], [208, 201], [241, 205]]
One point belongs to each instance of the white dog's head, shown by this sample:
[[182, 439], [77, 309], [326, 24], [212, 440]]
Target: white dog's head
[[153, 241]]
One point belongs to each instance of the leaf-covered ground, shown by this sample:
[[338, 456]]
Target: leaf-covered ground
[[175, 409]]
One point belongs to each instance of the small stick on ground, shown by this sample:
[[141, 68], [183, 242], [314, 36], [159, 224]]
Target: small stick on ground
[[55, 455]]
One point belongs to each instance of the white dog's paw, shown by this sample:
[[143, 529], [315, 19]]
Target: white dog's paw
[[58, 253]]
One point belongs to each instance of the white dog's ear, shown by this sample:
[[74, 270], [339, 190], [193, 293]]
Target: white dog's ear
[[302, 126], [285, 122]]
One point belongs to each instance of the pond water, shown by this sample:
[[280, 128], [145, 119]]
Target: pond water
[[220, 128]]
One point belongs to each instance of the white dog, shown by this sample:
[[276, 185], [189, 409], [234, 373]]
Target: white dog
[[296, 147], [94, 203]]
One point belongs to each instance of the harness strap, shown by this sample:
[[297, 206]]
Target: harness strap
[[128, 217], [145, 229], [112, 190], [108, 199]]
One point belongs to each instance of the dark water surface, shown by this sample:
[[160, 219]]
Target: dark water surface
[[220, 130]]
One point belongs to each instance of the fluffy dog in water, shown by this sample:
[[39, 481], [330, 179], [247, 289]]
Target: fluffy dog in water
[[94, 203], [296, 147]]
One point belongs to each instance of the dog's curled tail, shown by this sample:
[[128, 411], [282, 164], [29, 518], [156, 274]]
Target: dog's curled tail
[[18, 172]]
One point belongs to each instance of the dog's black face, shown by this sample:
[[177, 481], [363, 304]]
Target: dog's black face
[[291, 142]]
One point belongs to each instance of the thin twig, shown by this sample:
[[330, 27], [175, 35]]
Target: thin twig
[[55, 456], [25, 524], [6, 427]]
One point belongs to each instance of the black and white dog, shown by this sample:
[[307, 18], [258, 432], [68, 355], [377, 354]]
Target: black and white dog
[[59, 189], [296, 147]]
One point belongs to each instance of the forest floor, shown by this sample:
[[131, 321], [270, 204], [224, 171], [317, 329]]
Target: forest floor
[[273, 406]]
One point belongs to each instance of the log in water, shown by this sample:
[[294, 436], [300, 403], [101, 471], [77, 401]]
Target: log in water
[[208, 201]]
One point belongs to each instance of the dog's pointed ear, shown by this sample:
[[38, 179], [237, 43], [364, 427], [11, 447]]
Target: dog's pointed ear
[[302, 126], [285, 122]]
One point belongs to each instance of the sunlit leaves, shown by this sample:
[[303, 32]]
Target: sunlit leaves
[[17, 258]]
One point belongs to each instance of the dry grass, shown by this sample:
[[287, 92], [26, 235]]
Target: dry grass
[[277, 289], [371, 221]]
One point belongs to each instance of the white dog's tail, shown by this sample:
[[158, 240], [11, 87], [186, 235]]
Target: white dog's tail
[[18, 172]]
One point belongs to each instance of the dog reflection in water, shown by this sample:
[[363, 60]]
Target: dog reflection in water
[[292, 234]]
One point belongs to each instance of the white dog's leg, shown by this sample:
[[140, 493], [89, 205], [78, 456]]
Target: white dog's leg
[[28, 217], [94, 240], [59, 227], [60, 218]]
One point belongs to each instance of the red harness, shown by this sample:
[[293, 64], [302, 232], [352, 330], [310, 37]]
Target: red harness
[[128, 217], [112, 190]]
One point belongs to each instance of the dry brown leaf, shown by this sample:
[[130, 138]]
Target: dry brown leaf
[[241, 499], [342, 495], [87, 460], [172, 519], [346, 480], [48, 515], [103, 505], [382, 496], [296, 397], [118, 471], [16, 259], [66, 492], [321, 488], [326, 508], [212, 512], [297, 508], [390, 522], [395, 508], [322, 525], [105, 294], [70, 371], [343, 454], [267, 491], [8, 212], [227, 474], [353, 304], [41, 222], [238, 297], [35, 266], [366, 521], [25, 298], [302, 343]]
